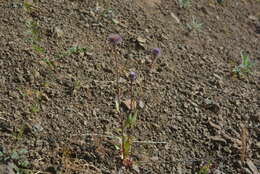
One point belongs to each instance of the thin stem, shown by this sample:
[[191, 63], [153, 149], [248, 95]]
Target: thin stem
[[118, 100], [132, 95], [122, 136], [117, 77], [154, 60]]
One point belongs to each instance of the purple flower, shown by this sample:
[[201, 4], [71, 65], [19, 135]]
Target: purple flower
[[132, 76], [156, 52], [115, 39]]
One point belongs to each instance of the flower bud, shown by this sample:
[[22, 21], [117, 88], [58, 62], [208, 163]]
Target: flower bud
[[115, 39], [156, 52], [132, 76]]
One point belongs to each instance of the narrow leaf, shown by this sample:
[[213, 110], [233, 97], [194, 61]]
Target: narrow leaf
[[127, 146], [117, 106], [134, 118], [128, 121]]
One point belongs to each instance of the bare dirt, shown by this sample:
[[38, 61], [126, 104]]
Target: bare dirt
[[57, 85]]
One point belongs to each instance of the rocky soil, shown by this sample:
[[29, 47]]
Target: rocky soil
[[57, 86]]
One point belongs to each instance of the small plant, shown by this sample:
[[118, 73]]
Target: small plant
[[33, 31], [18, 158], [76, 86], [34, 108], [72, 50], [245, 66], [75, 50], [108, 13], [124, 139], [50, 62], [194, 26], [34, 35], [18, 133], [184, 3], [29, 7], [129, 123], [204, 170], [127, 110], [201, 167]]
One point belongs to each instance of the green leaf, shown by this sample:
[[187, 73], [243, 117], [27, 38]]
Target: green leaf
[[117, 147], [118, 144], [38, 48], [80, 50], [27, 4], [117, 106], [245, 66], [204, 170], [127, 146], [72, 50], [24, 163], [131, 120], [23, 151], [6, 158], [128, 121], [15, 156], [134, 118]]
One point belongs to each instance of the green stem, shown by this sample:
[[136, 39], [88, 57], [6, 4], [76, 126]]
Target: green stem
[[132, 96], [118, 100]]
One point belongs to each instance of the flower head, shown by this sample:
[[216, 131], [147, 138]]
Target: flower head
[[132, 76], [156, 52], [115, 39]]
